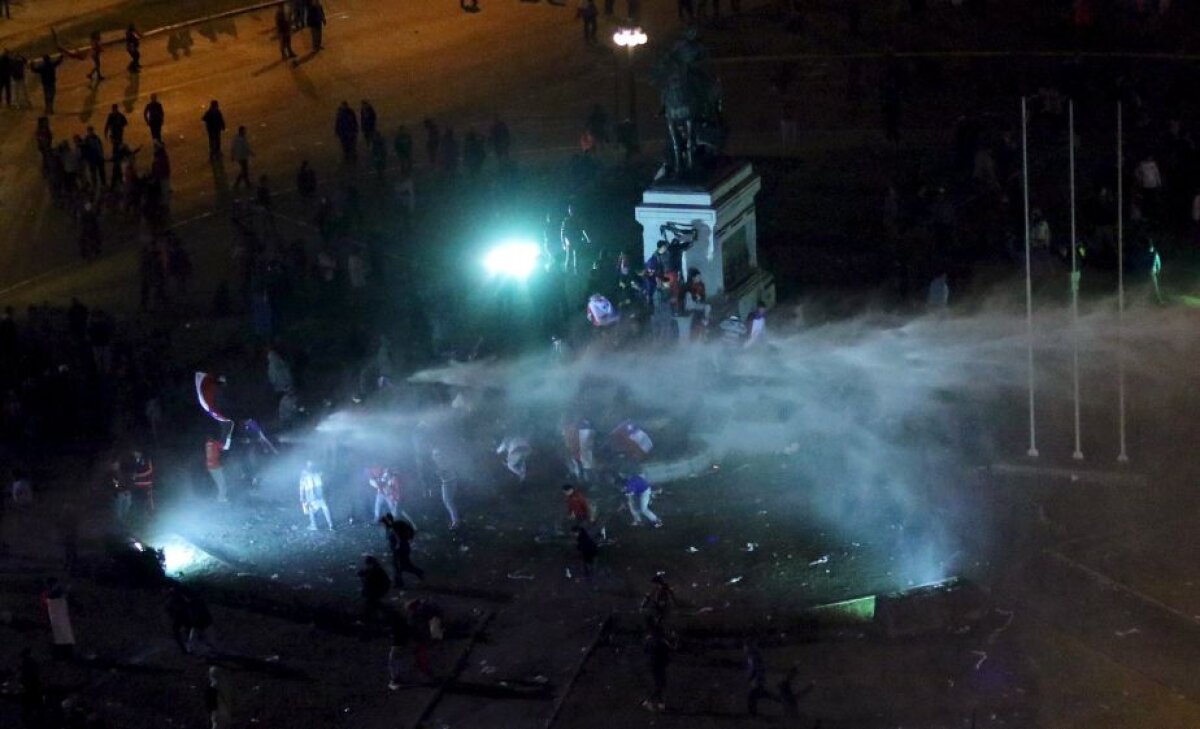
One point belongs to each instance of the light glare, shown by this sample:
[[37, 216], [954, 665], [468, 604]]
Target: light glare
[[515, 259]]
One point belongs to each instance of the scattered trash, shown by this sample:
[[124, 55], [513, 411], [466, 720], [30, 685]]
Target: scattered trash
[[604, 534], [275, 576], [486, 670], [1127, 633], [705, 610], [822, 560], [691, 550], [272, 658], [982, 657], [734, 580], [751, 546], [792, 448], [464, 548], [855, 544], [763, 512], [519, 575], [542, 679], [568, 573]]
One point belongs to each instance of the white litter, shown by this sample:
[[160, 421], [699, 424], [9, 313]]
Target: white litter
[[751, 546], [734, 580], [692, 550], [822, 560]]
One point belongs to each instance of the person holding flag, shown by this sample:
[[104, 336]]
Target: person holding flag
[[516, 450], [212, 461]]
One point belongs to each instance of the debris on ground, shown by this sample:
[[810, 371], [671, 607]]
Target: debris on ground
[[824, 559]]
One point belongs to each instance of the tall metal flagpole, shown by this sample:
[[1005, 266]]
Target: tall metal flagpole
[[1123, 456], [1033, 451], [1078, 454]]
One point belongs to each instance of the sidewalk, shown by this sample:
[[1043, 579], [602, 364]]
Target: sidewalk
[[29, 27]]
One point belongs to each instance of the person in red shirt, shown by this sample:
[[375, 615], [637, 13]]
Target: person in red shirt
[[388, 490], [212, 460], [141, 477], [579, 509]]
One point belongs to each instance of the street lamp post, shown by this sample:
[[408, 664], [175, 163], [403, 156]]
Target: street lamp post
[[629, 39]]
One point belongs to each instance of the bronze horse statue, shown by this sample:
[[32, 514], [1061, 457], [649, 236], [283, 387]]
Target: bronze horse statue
[[691, 103]]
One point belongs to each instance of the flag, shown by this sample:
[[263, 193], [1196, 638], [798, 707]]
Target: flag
[[206, 392], [631, 440]]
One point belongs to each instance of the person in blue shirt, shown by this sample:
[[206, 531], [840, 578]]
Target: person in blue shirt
[[638, 494]]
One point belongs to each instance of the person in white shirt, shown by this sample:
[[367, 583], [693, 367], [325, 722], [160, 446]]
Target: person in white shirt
[[312, 496]]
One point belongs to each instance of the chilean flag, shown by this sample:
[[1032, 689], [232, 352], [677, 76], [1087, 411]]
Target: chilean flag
[[631, 440], [206, 392]]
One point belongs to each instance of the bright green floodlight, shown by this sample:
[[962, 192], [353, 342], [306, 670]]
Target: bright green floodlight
[[514, 259]]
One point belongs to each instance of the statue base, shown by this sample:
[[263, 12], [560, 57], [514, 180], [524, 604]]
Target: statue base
[[720, 206]]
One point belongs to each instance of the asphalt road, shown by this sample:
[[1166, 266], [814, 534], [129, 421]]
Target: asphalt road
[[524, 62]]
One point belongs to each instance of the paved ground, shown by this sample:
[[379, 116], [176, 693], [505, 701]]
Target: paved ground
[[1097, 577]]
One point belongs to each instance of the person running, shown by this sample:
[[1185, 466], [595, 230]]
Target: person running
[[637, 495], [312, 496], [579, 509], [400, 534]]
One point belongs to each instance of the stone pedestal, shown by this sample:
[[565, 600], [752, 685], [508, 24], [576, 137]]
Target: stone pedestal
[[721, 208]]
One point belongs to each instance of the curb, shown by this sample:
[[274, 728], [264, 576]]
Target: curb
[[120, 40]]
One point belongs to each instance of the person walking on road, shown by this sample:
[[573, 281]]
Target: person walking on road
[[240, 152], [114, 132], [133, 46], [47, 71], [316, 23], [345, 126], [214, 124], [20, 92], [588, 13], [368, 120], [155, 117], [283, 30], [6, 77]]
